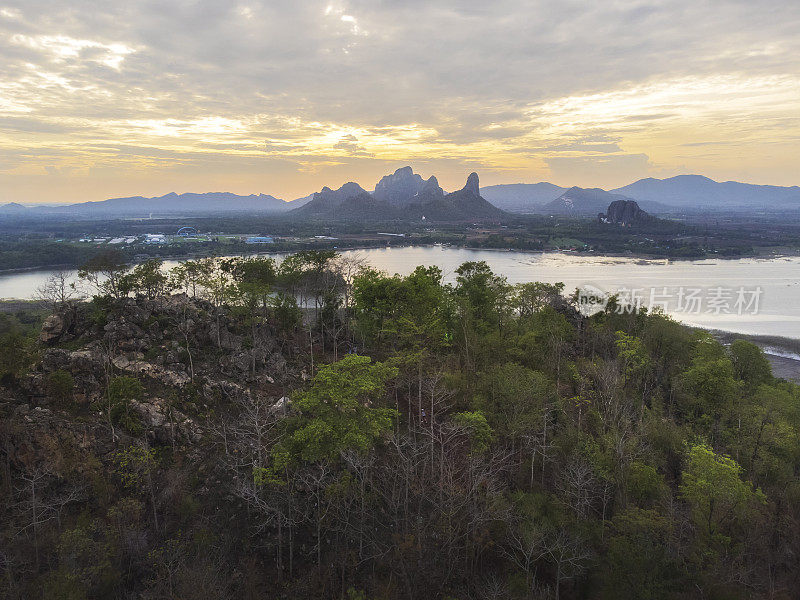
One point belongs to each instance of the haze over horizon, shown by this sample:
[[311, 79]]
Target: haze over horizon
[[144, 98]]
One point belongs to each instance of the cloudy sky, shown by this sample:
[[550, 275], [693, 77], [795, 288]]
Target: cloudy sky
[[118, 98]]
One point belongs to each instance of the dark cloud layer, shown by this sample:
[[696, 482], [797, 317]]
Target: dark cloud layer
[[517, 88]]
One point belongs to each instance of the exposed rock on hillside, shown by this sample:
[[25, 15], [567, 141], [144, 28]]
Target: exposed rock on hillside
[[464, 205], [399, 188], [349, 203], [624, 212]]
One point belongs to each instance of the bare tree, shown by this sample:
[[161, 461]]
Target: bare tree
[[59, 290], [41, 498], [567, 553], [246, 442]]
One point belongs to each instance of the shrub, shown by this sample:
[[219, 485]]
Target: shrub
[[60, 385], [121, 391]]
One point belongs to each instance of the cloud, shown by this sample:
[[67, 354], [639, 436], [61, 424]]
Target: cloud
[[349, 143], [508, 88]]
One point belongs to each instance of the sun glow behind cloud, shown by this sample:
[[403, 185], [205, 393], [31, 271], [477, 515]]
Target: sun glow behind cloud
[[121, 98], [62, 48]]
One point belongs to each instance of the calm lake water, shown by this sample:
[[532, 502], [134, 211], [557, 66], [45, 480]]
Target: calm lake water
[[751, 296]]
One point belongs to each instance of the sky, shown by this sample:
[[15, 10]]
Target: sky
[[144, 97]]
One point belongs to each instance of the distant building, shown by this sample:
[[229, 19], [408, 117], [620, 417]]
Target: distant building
[[155, 238], [265, 239], [187, 231]]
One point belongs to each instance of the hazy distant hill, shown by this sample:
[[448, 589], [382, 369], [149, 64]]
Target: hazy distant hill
[[522, 197], [350, 202], [591, 202], [298, 202], [581, 201], [405, 194], [13, 208], [171, 204], [698, 192]]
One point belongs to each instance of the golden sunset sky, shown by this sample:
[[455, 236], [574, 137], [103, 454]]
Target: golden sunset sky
[[108, 99]]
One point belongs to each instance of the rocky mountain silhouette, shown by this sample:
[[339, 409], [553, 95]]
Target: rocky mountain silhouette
[[624, 212], [463, 205]]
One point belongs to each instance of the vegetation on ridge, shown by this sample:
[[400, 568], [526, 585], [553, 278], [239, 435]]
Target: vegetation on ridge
[[242, 428]]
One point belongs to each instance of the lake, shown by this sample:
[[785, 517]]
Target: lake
[[748, 295]]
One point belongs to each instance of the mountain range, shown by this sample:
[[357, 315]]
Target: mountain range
[[590, 202], [692, 193], [698, 192], [403, 195], [406, 195], [522, 197], [167, 205]]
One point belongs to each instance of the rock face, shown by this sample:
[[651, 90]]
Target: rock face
[[429, 192], [59, 327], [580, 201], [400, 196], [404, 187], [473, 185], [177, 347], [399, 187], [624, 212], [349, 202], [336, 197], [464, 205]]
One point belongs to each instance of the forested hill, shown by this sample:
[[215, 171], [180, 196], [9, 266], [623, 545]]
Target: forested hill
[[199, 434]]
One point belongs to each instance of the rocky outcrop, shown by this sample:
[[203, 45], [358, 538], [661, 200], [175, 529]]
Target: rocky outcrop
[[473, 185], [52, 443], [350, 202], [162, 341], [398, 188], [140, 368], [464, 205], [624, 212], [61, 325], [404, 187], [431, 187], [164, 423]]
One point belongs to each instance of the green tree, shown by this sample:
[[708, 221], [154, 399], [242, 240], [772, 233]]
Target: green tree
[[482, 311], [121, 391], [146, 279], [105, 272], [339, 412], [640, 558], [514, 398], [531, 297], [60, 385], [478, 429], [192, 275], [750, 364], [645, 485], [16, 350], [254, 279], [709, 389], [136, 466], [634, 358], [712, 485]]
